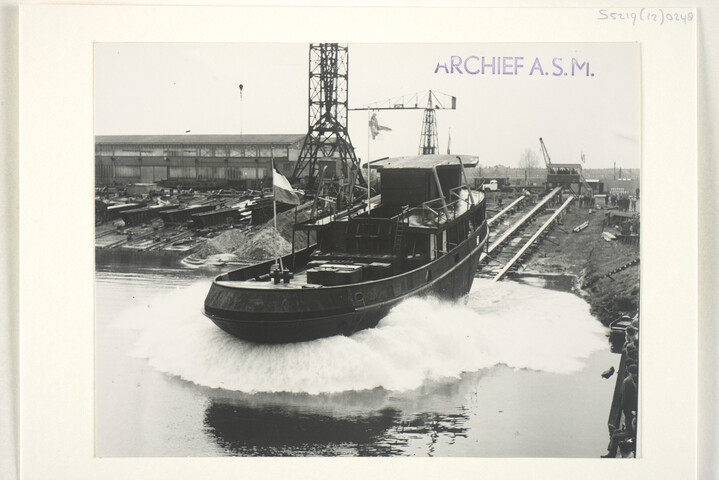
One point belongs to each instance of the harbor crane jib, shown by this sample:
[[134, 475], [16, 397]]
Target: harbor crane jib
[[429, 101]]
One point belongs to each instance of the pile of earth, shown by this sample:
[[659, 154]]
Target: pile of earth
[[262, 242], [226, 242], [265, 244]]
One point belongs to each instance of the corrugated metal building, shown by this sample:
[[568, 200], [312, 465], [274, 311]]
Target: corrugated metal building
[[241, 161]]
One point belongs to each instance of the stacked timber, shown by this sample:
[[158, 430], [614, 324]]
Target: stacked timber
[[216, 217], [182, 215], [139, 216]]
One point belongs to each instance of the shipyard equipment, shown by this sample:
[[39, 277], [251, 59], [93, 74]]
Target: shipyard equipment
[[563, 174], [327, 141], [428, 101]]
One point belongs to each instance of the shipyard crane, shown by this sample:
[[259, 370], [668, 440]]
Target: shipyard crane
[[428, 101], [327, 141], [545, 153]]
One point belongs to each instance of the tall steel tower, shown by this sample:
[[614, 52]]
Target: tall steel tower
[[428, 143], [327, 138]]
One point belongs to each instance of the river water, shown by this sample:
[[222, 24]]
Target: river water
[[512, 371]]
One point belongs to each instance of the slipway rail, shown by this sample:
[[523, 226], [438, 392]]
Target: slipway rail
[[505, 211], [518, 224], [532, 239]]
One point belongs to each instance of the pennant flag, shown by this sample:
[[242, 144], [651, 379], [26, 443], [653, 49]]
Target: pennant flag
[[375, 128], [449, 140], [282, 189]]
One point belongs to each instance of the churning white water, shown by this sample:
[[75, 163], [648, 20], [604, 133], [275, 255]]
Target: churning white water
[[422, 339]]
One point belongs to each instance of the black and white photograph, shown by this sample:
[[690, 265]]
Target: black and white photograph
[[344, 241], [335, 249]]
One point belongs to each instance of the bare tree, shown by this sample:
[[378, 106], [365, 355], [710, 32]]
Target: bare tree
[[528, 161]]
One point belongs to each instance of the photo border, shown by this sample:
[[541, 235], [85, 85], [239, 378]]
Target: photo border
[[56, 300]]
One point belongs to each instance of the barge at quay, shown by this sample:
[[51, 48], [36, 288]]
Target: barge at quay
[[423, 238]]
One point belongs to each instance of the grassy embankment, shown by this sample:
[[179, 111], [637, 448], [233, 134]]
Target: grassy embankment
[[607, 272]]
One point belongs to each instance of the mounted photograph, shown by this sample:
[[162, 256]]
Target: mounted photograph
[[367, 249]]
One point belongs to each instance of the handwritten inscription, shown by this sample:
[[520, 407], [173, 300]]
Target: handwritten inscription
[[659, 16], [536, 66]]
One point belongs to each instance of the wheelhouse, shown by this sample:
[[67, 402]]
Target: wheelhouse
[[426, 210]]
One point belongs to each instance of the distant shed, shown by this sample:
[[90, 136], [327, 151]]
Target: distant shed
[[194, 160]]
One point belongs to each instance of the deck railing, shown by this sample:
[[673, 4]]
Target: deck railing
[[434, 213]]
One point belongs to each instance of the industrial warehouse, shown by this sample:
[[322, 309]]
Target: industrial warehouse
[[244, 162], [433, 258], [194, 161]]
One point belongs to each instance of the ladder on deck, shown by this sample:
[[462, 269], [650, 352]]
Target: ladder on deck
[[399, 234]]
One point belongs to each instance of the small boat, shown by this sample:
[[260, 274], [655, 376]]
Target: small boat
[[620, 324], [617, 332], [423, 238]]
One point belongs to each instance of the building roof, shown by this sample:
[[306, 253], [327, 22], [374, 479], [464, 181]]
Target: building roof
[[199, 139], [565, 165], [426, 161]]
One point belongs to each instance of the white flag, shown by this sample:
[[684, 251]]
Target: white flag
[[375, 128], [282, 189]]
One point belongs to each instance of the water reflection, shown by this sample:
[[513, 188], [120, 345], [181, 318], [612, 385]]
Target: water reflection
[[155, 263], [367, 423], [437, 428], [284, 430]]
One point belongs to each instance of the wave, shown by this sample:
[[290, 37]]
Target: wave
[[421, 340]]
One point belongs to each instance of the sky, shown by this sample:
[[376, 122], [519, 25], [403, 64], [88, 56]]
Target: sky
[[532, 92]]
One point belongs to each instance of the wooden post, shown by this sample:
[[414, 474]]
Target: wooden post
[[441, 194], [466, 181]]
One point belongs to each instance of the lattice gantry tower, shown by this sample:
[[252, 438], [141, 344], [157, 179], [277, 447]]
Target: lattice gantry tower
[[428, 142], [327, 138]]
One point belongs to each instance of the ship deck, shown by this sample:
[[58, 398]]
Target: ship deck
[[298, 282]]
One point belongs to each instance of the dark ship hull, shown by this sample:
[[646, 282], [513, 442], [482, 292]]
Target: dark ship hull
[[284, 315], [424, 238]]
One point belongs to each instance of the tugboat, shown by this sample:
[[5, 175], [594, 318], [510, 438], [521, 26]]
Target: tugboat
[[423, 238]]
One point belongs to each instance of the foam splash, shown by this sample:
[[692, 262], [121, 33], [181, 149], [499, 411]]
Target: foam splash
[[422, 339]]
